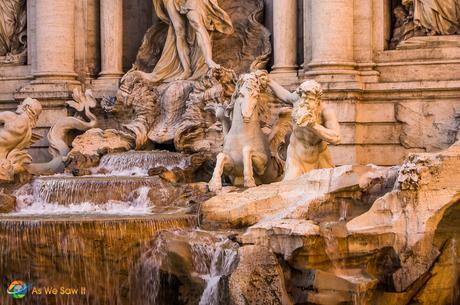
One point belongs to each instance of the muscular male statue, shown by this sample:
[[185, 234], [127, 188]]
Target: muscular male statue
[[16, 136], [315, 125]]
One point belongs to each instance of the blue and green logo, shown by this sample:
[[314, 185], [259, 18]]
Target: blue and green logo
[[17, 289]]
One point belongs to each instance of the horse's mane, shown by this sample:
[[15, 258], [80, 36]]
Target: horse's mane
[[256, 81]]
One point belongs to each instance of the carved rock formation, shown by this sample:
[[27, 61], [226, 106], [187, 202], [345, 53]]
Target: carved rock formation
[[7, 203], [411, 213], [312, 196], [16, 136], [398, 245], [258, 279], [89, 147]]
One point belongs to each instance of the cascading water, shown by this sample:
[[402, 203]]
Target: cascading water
[[137, 163], [94, 253], [193, 263]]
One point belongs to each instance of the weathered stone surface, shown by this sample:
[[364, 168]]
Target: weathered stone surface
[[258, 279], [90, 146], [442, 287], [430, 125], [7, 203], [428, 186], [288, 199]]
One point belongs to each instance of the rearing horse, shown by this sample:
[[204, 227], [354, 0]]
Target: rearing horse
[[249, 155]]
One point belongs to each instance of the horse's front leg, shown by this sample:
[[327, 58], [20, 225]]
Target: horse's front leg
[[253, 161], [224, 163]]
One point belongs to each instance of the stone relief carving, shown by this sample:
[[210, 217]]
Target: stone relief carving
[[16, 136], [425, 18], [187, 53], [13, 32], [315, 125], [250, 152], [59, 133]]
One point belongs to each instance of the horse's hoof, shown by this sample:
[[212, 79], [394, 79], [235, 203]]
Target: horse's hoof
[[250, 183], [214, 186]]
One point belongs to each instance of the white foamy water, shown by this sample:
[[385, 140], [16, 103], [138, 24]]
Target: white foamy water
[[138, 163], [28, 205]]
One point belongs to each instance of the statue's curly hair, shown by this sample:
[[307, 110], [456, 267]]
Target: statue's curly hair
[[310, 87]]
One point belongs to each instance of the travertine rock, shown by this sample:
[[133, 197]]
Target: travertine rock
[[258, 279], [411, 213], [297, 198], [442, 287], [90, 146], [7, 203], [16, 136]]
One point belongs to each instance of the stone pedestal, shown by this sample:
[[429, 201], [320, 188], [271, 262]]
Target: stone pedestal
[[332, 29], [111, 46], [285, 39]]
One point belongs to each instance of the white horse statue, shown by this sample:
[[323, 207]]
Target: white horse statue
[[255, 129]]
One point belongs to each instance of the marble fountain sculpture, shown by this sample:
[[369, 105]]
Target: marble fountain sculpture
[[244, 207]]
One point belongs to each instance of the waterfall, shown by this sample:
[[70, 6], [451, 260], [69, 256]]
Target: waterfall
[[195, 261], [223, 263], [97, 253], [137, 163]]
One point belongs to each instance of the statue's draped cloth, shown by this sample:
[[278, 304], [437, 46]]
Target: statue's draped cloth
[[12, 22], [214, 18], [440, 16]]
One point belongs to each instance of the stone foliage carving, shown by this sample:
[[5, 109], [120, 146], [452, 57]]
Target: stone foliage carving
[[250, 151], [59, 133], [13, 32], [16, 136], [315, 125], [425, 17]]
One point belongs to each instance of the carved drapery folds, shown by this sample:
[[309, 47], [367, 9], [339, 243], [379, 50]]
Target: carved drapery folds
[[13, 32], [424, 18]]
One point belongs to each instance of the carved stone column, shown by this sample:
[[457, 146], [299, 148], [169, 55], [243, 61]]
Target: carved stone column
[[53, 62], [332, 30], [285, 38], [111, 43], [55, 40]]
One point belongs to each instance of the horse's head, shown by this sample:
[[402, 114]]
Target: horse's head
[[248, 90]]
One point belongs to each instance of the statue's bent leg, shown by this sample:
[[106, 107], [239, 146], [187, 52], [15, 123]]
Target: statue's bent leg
[[253, 161], [224, 163], [183, 50], [203, 38]]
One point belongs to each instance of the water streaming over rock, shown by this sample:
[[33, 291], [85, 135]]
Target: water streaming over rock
[[96, 253], [139, 162], [194, 263]]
